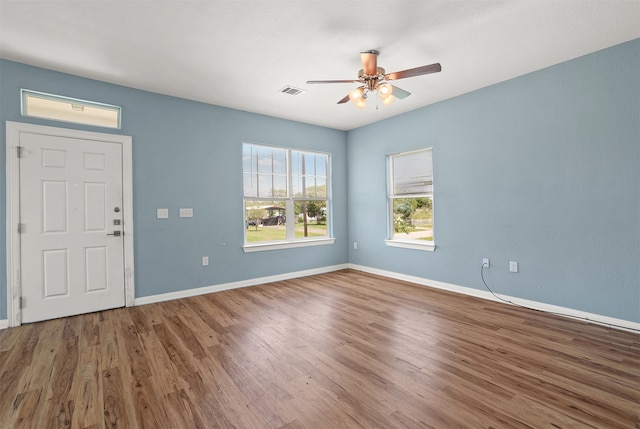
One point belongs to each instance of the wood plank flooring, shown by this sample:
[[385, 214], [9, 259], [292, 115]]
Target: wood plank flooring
[[339, 350]]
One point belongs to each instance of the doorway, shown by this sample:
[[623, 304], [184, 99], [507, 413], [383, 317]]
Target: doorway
[[69, 222]]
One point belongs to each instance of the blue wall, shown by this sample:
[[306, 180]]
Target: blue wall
[[543, 169], [185, 154]]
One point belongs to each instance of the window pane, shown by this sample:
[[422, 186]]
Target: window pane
[[321, 187], [316, 187], [296, 186], [309, 174], [265, 221], [310, 164], [264, 171], [248, 160], [310, 186], [271, 160], [412, 173], [250, 185], [412, 219], [311, 218], [279, 186], [280, 161], [321, 165], [296, 159], [264, 163], [272, 186]]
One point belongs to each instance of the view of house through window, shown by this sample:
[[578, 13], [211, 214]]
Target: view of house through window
[[286, 195], [411, 196]]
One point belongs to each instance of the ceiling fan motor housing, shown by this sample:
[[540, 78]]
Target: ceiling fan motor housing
[[372, 80]]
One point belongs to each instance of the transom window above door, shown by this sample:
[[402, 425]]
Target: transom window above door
[[59, 108]]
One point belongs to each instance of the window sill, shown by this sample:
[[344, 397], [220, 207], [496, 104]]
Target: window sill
[[427, 247], [263, 247]]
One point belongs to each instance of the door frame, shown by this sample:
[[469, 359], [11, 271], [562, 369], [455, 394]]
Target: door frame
[[14, 129]]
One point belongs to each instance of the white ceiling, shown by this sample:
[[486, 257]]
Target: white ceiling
[[239, 53]]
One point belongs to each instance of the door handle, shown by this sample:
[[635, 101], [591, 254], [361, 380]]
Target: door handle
[[116, 233]]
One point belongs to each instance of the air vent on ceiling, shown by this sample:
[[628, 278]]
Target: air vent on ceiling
[[292, 90]]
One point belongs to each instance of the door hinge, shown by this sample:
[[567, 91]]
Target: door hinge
[[19, 151], [21, 302], [20, 228]]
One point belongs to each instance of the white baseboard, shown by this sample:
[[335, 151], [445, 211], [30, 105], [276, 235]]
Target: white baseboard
[[4, 323], [548, 308], [235, 285]]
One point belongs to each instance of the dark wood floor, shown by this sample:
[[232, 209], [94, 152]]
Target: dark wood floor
[[339, 350]]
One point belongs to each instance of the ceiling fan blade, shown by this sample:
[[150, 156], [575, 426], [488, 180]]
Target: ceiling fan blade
[[333, 81], [399, 92], [369, 62], [418, 71], [344, 100]]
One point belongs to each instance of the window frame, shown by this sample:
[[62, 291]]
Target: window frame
[[409, 243], [290, 241]]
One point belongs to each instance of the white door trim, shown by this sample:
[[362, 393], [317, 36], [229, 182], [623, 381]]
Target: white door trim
[[13, 207]]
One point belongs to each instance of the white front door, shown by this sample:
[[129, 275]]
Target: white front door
[[71, 196]]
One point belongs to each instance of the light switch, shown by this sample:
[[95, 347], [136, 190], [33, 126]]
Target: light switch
[[162, 213], [186, 212]]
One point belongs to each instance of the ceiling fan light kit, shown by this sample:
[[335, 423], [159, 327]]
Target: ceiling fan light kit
[[358, 96], [374, 78], [385, 91]]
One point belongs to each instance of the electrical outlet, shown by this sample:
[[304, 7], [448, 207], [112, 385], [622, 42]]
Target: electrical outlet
[[205, 261], [355, 245], [485, 262], [513, 266]]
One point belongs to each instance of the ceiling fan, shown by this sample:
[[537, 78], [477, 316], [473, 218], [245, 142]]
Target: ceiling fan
[[374, 78]]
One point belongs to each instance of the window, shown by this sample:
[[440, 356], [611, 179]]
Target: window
[[286, 197], [411, 199], [59, 108]]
